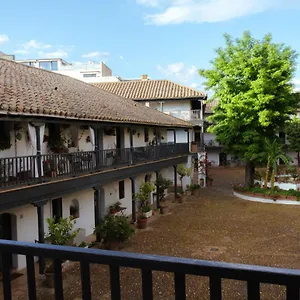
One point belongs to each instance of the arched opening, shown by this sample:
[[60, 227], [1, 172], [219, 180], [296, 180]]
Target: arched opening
[[74, 209], [222, 159], [8, 231]]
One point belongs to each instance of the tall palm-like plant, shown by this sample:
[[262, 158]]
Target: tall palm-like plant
[[274, 154]]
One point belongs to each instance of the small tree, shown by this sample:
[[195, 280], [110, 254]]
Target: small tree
[[143, 195], [182, 171], [162, 184], [293, 136], [61, 232]]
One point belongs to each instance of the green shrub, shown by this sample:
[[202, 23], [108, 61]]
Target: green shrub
[[114, 228], [60, 232]]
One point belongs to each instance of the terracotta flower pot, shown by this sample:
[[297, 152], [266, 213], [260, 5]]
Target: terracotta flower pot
[[113, 245], [49, 281], [182, 198], [142, 223], [196, 192], [164, 209]]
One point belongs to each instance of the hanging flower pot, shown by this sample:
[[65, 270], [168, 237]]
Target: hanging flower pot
[[19, 136]]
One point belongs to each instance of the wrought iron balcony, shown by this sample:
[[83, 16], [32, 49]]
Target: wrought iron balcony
[[254, 276], [36, 169]]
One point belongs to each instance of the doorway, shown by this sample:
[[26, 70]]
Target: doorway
[[222, 159], [57, 209], [8, 231]]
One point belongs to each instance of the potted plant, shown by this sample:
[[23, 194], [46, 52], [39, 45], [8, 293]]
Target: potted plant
[[182, 171], [60, 232], [143, 195], [209, 180], [115, 208], [162, 184], [114, 230], [195, 188]]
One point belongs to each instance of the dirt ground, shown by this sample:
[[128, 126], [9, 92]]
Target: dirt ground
[[216, 226]]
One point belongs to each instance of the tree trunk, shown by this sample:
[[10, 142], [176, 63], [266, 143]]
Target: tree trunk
[[298, 158], [272, 179], [249, 173], [267, 175]]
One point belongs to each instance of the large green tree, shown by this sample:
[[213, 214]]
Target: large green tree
[[252, 80], [293, 136]]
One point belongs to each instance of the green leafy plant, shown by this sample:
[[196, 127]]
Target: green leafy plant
[[60, 232], [182, 171], [162, 184], [116, 207], [114, 228], [143, 195]]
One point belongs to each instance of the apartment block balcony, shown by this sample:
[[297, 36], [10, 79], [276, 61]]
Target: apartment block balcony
[[30, 170], [254, 277], [192, 116]]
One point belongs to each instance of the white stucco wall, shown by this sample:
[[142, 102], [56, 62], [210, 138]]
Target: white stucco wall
[[111, 195], [213, 157], [293, 156]]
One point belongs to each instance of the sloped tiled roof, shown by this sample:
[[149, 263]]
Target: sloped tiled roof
[[32, 91], [210, 105], [149, 89]]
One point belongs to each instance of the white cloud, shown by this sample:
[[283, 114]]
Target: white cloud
[[121, 57], [21, 51], [3, 39], [152, 3], [55, 54], [180, 72], [199, 11], [296, 83], [33, 44], [95, 54]]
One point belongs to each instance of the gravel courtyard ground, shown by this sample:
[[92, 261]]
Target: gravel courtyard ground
[[215, 226]]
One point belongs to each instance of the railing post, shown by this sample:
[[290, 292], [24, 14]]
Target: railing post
[[133, 199], [38, 153], [41, 230], [98, 203], [175, 182], [157, 190], [131, 146]]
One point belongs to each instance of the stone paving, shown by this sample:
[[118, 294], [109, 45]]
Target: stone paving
[[216, 226]]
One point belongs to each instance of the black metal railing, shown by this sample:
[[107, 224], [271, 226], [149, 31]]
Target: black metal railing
[[180, 267], [34, 169]]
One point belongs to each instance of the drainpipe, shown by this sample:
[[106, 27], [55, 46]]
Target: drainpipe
[[133, 199]]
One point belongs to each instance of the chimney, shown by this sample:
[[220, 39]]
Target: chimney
[[144, 77]]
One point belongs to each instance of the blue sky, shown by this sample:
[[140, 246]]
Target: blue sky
[[162, 38]]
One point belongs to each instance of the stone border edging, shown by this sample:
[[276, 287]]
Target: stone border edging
[[263, 200]]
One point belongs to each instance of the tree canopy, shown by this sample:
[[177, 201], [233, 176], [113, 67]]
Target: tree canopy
[[251, 79]]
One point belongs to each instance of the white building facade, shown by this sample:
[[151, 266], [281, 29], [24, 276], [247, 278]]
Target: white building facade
[[73, 150]]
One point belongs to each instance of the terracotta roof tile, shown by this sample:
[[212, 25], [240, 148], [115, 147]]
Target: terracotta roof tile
[[33, 91], [150, 90]]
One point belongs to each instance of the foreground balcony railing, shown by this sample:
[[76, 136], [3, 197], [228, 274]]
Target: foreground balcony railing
[[180, 267], [34, 169]]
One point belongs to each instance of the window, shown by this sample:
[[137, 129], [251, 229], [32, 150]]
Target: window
[[48, 65], [146, 134], [121, 189], [4, 135], [30, 63], [74, 209], [89, 75]]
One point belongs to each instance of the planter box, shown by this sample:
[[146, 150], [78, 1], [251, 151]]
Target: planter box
[[282, 185]]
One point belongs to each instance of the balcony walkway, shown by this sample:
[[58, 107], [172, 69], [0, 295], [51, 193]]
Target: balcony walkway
[[217, 226]]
